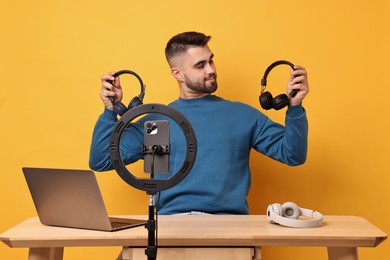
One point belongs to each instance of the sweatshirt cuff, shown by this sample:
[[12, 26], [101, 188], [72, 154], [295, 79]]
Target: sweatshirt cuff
[[109, 114], [295, 111]]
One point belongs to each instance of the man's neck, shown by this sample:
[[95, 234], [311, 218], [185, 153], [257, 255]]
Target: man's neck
[[190, 94]]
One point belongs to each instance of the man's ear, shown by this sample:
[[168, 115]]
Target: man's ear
[[176, 74]]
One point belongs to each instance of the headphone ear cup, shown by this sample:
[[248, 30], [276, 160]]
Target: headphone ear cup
[[291, 210], [276, 209], [136, 101], [266, 100], [120, 108], [280, 101]]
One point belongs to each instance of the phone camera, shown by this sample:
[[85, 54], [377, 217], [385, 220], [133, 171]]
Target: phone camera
[[151, 128]]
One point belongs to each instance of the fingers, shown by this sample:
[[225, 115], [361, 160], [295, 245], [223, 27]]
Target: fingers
[[108, 91], [298, 81], [298, 76], [298, 71], [107, 80]]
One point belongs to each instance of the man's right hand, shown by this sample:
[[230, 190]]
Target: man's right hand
[[111, 87]]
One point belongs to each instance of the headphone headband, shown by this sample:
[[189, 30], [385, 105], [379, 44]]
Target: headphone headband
[[142, 93], [273, 65]]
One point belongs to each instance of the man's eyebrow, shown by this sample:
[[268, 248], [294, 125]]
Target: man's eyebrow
[[203, 61]]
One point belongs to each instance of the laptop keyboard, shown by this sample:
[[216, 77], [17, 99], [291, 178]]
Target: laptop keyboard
[[119, 224]]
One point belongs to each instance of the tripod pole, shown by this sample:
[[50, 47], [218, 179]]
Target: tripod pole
[[151, 250]]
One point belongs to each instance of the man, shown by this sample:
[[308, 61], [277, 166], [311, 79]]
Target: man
[[226, 131]]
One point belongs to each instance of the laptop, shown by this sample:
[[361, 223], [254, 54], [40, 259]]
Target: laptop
[[72, 198]]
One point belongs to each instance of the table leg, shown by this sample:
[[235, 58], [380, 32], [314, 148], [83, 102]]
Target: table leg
[[46, 253], [257, 253], [126, 254], [342, 253]]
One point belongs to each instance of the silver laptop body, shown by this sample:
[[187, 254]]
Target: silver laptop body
[[71, 198]]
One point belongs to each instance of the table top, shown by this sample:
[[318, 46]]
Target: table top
[[203, 230]]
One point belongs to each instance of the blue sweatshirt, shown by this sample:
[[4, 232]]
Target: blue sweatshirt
[[226, 131]]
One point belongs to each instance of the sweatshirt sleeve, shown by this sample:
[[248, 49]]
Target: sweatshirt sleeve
[[99, 158], [296, 127], [287, 144]]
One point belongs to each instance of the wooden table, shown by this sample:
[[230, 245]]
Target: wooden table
[[342, 235]]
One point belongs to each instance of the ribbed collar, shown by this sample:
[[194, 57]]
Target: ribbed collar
[[200, 100]]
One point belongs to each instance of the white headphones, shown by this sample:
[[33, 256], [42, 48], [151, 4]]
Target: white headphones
[[288, 214]]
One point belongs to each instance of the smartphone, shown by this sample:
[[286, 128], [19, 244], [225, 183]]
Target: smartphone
[[156, 132]]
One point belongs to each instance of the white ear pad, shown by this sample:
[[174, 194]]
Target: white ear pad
[[291, 210]]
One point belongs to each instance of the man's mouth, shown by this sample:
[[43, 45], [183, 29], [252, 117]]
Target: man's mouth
[[210, 78]]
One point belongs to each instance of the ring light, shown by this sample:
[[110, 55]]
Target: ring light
[[152, 186]]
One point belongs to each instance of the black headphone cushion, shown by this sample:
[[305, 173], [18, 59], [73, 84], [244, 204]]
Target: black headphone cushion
[[136, 101], [120, 108], [266, 100], [280, 101]]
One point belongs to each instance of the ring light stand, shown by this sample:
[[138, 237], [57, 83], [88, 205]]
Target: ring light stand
[[152, 186]]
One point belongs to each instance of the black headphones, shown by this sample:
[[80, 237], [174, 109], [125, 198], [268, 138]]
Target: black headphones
[[119, 107], [280, 101]]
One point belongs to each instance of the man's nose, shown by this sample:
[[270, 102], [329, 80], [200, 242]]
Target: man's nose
[[210, 68]]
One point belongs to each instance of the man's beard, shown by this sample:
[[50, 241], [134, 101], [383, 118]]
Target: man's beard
[[201, 87]]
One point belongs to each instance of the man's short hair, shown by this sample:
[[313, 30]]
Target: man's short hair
[[180, 43]]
